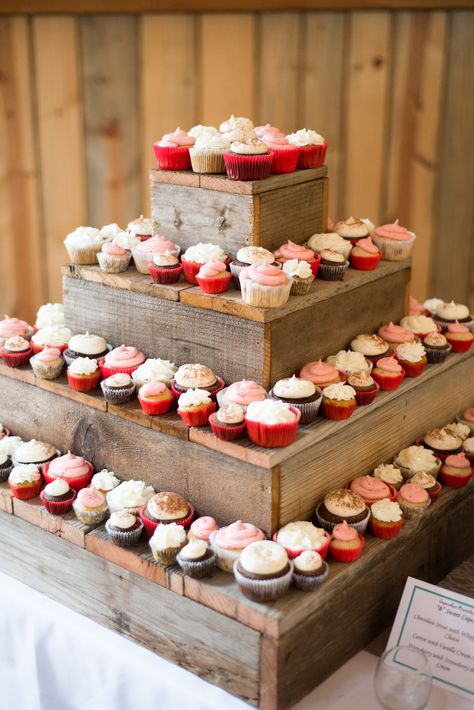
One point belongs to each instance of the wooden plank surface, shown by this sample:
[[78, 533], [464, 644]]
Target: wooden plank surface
[[109, 67]]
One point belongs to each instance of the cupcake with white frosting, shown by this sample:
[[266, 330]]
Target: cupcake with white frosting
[[49, 314], [34, 451], [195, 406], [352, 228], [129, 495], [299, 393], [124, 528], [436, 347], [25, 481], [301, 274], [83, 245], [448, 313], [83, 374], [86, 345], [51, 336], [339, 401], [196, 559], [228, 423], [420, 325], [350, 362], [105, 481], [166, 542], [58, 496], [248, 159], [200, 130], [412, 357], [192, 375], [388, 473], [16, 351], [414, 459], [312, 147], [386, 519], [332, 266], [154, 369], [309, 570], [263, 571], [165, 268], [207, 154], [197, 255], [271, 423], [247, 256], [142, 228], [302, 535], [118, 388], [373, 347]]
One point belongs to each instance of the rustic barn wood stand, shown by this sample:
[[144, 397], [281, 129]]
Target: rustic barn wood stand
[[270, 655]]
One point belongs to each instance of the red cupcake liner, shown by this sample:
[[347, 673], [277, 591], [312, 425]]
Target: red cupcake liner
[[213, 394], [216, 285], [365, 263], [226, 433], [26, 493], [384, 532], [334, 411], [314, 263], [109, 371], [351, 555], [57, 507], [156, 407], [363, 398], [388, 384], [434, 494], [413, 369], [16, 359], [460, 346], [273, 435], [199, 417], [191, 268], [83, 384], [248, 167], [165, 276], [285, 161], [422, 336], [321, 550], [455, 481], [312, 156], [38, 348], [75, 483], [151, 526], [176, 158]]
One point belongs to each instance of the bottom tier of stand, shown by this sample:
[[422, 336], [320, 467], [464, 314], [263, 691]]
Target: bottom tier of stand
[[269, 655]]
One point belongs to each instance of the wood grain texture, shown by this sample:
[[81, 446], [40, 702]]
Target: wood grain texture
[[109, 66], [57, 79], [6, 504], [182, 631], [20, 215]]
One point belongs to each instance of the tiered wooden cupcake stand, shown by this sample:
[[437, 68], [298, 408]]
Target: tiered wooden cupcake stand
[[270, 655]]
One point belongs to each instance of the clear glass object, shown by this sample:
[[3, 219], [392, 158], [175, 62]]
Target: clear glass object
[[403, 679]]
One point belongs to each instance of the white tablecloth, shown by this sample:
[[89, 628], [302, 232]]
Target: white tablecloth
[[52, 658]]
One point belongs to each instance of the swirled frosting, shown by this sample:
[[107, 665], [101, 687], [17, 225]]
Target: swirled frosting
[[127, 240], [276, 140], [53, 335], [413, 493], [194, 550], [85, 237], [49, 314], [294, 388], [193, 397], [458, 429], [237, 535], [344, 532], [452, 311], [203, 252], [142, 226], [417, 458], [90, 499], [263, 557], [244, 392], [249, 146], [393, 231], [17, 344], [203, 527], [369, 344], [230, 413], [194, 375], [236, 122], [308, 561], [48, 355], [351, 228], [69, 467], [9, 445], [411, 352], [87, 344], [367, 245], [155, 388], [432, 304], [419, 324], [33, 451], [154, 245], [386, 511], [389, 364], [330, 240], [370, 488], [270, 411], [425, 480], [457, 461], [200, 130], [388, 473], [83, 366], [267, 128], [305, 136], [255, 255], [168, 535], [58, 487], [319, 372], [110, 230], [297, 269], [396, 334], [124, 356], [349, 362], [468, 445], [129, 494], [290, 250], [264, 274], [212, 270], [113, 249], [24, 473], [154, 369], [178, 138], [344, 503], [301, 535], [457, 327], [105, 480], [210, 141]]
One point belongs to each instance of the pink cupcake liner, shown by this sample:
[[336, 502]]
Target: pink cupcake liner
[[364, 398], [365, 263], [165, 276], [75, 483], [156, 407], [26, 493], [197, 417], [16, 359], [57, 507], [285, 161], [216, 285], [273, 435], [347, 555], [322, 549], [336, 412], [383, 531], [226, 433], [248, 167], [213, 394], [83, 384], [312, 156], [150, 526], [176, 158]]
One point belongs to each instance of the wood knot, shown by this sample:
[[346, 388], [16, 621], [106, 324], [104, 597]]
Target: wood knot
[[177, 221], [378, 62]]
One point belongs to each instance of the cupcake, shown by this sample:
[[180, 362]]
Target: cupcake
[[263, 571], [349, 362], [302, 535], [373, 347], [110, 231], [415, 459], [365, 387], [320, 374], [240, 123], [172, 151], [332, 266], [247, 256], [194, 375], [265, 128], [202, 528], [118, 389], [228, 422], [155, 398], [16, 351], [449, 313], [272, 423], [352, 228], [395, 242], [285, 155], [90, 506], [467, 447], [200, 130], [458, 429], [456, 471], [365, 255], [57, 497], [242, 393], [83, 374], [412, 357], [390, 474], [25, 481], [165, 508], [301, 275], [196, 559], [130, 496], [371, 489], [33, 451], [339, 401], [154, 369], [291, 252], [85, 345], [419, 325], [299, 393], [413, 500], [332, 241], [142, 228], [8, 443], [6, 466], [126, 240], [207, 153], [51, 336], [388, 373], [442, 442], [74, 469], [213, 277], [431, 305], [386, 519], [125, 358], [194, 257], [436, 347], [10, 327], [105, 481], [309, 570], [342, 505], [113, 259], [312, 147], [248, 159], [395, 334], [428, 482], [124, 528], [459, 337], [165, 268], [144, 252], [346, 543], [195, 406], [264, 285], [47, 364], [415, 308], [467, 417], [83, 245], [166, 542], [228, 543]]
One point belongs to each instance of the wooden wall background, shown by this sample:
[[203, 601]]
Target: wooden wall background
[[84, 96]]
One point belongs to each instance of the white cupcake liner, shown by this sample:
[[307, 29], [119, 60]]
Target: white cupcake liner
[[207, 160], [264, 590], [309, 584], [124, 538], [46, 371], [393, 250], [113, 263], [198, 569], [361, 526], [83, 255], [89, 517], [309, 410], [255, 294]]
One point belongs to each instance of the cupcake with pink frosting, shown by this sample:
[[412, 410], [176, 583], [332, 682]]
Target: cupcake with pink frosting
[[11, 327], [90, 506], [395, 334], [264, 285], [388, 373], [285, 155], [47, 364], [242, 393], [371, 489], [459, 337], [155, 398], [365, 255], [213, 277], [456, 471], [113, 259], [145, 252], [73, 469], [202, 528], [228, 542], [394, 241], [172, 151], [346, 543], [320, 373], [290, 250], [413, 500], [125, 358]]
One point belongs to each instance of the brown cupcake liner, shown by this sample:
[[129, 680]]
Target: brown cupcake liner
[[309, 584], [117, 395], [113, 264], [198, 569], [207, 160], [361, 526], [5, 472], [300, 287], [434, 355], [124, 538], [332, 272], [46, 371], [264, 590]]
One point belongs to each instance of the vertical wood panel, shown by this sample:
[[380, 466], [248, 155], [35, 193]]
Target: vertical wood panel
[[168, 81], [56, 52], [227, 44], [21, 285], [109, 57], [279, 65], [366, 112], [322, 83]]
